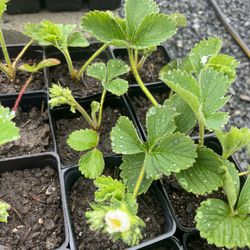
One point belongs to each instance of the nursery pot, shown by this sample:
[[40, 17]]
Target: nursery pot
[[71, 175], [63, 5], [104, 5], [23, 6], [36, 186]]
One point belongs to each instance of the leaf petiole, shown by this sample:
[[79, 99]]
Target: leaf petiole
[[139, 182], [72, 71], [244, 173], [101, 108], [201, 133]]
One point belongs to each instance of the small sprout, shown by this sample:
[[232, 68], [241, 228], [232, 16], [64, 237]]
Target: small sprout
[[4, 207]]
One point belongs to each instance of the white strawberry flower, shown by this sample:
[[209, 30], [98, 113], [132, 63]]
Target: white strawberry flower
[[117, 221]]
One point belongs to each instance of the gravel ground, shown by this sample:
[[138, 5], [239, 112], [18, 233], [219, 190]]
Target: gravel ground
[[202, 23]]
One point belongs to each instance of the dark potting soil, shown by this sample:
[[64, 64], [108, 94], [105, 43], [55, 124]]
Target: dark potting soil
[[8, 87], [34, 132], [201, 244], [142, 104], [151, 68], [86, 87], [82, 194], [185, 204], [64, 127], [35, 219]]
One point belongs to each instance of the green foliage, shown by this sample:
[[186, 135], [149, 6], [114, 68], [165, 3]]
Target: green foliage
[[233, 140], [60, 36], [220, 226], [9, 131], [243, 206], [143, 26], [109, 75], [205, 96], [205, 176], [165, 152], [3, 5], [50, 62], [4, 207], [115, 212]]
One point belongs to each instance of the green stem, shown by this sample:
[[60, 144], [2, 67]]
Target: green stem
[[90, 60], [139, 80], [136, 58], [139, 182], [244, 173], [4, 68], [85, 115], [6, 55], [201, 133], [141, 63], [21, 53], [70, 64], [101, 108]]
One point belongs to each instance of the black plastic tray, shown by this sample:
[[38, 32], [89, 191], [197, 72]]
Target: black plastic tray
[[70, 176], [104, 5], [63, 5], [23, 6], [39, 161]]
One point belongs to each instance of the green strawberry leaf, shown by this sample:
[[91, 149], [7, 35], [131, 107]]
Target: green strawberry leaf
[[117, 86], [124, 137], [108, 189], [233, 140], [115, 68], [186, 119], [173, 154], [4, 207], [180, 19], [219, 226], [130, 172], [205, 176], [91, 164], [159, 123], [9, 131], [83, 139], [216, 120], [76, 39], [243, 205], [3, 5], [98, 71]]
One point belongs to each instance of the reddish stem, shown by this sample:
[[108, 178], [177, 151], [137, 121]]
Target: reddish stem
[[20, 95]]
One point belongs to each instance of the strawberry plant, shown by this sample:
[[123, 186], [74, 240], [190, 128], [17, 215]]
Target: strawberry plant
[[91, 164], [9, 68]]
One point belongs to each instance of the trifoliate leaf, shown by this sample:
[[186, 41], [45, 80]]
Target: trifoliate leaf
[[76, 39], [225, 64], [233, 140], [104, 27], [98, 71], [50, 62], [231, 183], [130, 171], [117, 86], [186, 119], [203, 51], [180, 19], [151, 31], [124, 137], [115, 68], [91, 164], [135, 13], [160, 123], [174, 153], [4, 207], [83, 139], [206, 174], [243, 206], [220, 226], [108, 189], [9, 131]]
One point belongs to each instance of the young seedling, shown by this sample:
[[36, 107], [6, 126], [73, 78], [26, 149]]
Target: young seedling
[[9, 68], [33, 69], [91, 164], [143, 28], [4, 207], [62, 37]]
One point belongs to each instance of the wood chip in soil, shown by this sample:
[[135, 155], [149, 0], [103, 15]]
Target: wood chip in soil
[[8, 87], [185, 204], [36, 218], [82, 194], [65, 127], [34, 131]]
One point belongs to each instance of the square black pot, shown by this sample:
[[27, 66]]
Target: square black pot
[[71, 175], [40, 161], [63, 5], [104, 4], [23, 6]]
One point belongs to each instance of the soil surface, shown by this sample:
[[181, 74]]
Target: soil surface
[[34, 131], [86, 87], [64, 127], [185, 204], [151, 68], [35, 219], [83, 193], [37, 83]]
